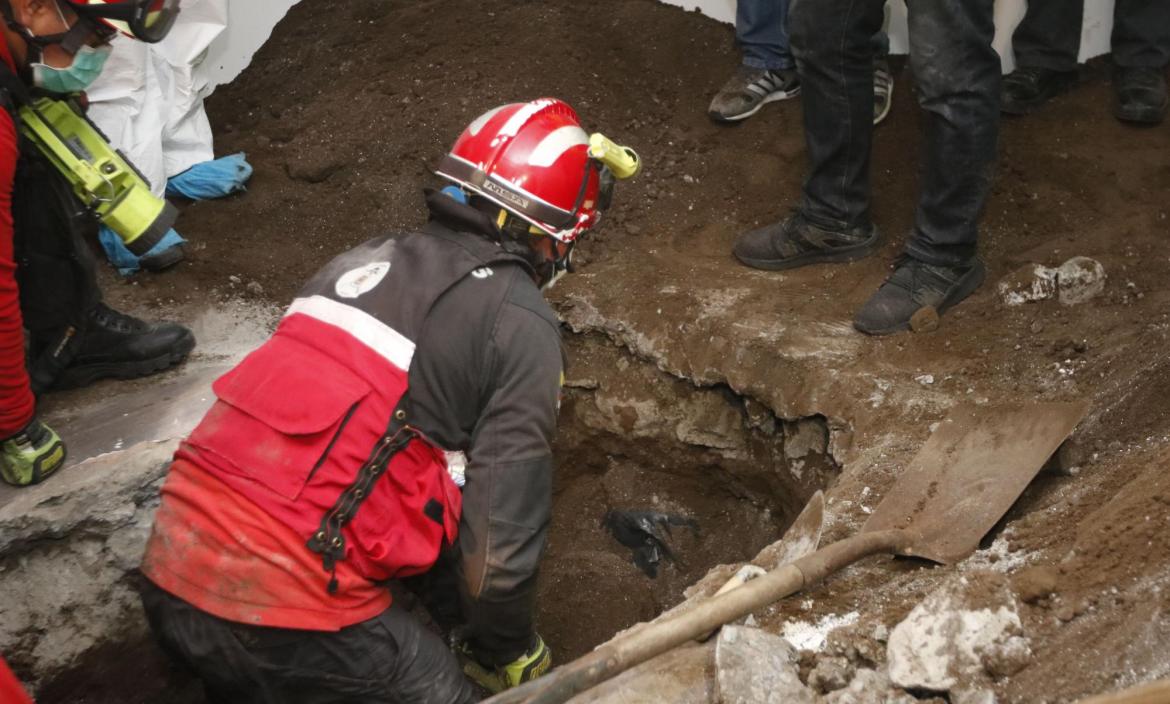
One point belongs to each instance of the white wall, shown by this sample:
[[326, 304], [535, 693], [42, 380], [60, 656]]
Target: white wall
[[250, 23], [1094, 35]]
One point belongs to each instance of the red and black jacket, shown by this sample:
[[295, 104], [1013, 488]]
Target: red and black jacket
[[397, 353]]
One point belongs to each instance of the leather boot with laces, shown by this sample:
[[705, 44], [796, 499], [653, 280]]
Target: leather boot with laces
[[795, 241], [124, 347], [915, 285]]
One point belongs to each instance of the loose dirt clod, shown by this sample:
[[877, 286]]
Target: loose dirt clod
[[924, 320], [1035, 583]]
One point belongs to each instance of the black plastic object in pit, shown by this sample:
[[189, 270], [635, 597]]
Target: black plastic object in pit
[[648, 534]]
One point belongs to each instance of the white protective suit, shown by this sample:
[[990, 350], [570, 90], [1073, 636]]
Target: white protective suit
[[149, 99]]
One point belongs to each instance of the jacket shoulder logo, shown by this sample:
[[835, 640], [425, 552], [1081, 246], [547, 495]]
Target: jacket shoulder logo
[[355, 282], [482, 273]]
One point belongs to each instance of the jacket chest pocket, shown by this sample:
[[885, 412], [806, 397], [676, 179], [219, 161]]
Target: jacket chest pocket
[[278, 414]]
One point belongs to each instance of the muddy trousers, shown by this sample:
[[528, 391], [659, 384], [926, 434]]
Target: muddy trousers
[[958, 76], [1050, 34], [389, 658]]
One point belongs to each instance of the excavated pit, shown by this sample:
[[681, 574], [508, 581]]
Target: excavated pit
[[631, 438]]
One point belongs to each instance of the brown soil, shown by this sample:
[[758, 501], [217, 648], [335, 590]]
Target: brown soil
[[346, 109]]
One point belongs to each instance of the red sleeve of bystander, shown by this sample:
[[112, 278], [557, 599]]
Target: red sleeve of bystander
[[11, 691], [16, 399]]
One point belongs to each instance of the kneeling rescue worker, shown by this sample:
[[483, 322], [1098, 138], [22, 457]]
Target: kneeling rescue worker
[[48, 283], [404, 408]]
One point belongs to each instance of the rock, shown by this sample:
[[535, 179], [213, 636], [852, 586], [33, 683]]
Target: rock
[[1027, 284], [924, 320], [957, 635], [870, 687], [255, 288], [925, 379], [759, 416], [77, 538], [754, 667], [830, 674], [1080, 279], [1007, 658], [1034, 583], [805, 436], [675, 677]]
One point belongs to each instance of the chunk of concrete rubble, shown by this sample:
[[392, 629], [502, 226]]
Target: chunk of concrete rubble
[[1080, 279], [1076, 281], [755, 667], [679, 676], [870, 687], [959, 635], [77, 539], [830, 674]]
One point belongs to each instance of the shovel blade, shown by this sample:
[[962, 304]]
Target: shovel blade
[[802, 538], [971, 470]]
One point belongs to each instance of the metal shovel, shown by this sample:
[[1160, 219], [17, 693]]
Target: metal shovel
[[971, 470]]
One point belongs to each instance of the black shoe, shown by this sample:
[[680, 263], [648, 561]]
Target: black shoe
[[915, 285], [794, 242], [1026, 89], [1141, 95], [120, 346]]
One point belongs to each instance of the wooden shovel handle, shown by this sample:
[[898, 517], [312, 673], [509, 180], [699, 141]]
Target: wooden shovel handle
[[654, 639]]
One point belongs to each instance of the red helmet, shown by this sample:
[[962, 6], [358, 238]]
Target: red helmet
[[145, 20], [531, 159]]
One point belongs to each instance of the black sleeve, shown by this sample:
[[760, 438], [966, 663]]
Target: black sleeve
[[507, 498]]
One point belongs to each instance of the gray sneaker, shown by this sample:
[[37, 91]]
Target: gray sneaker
[[883, 90], [749, 90]]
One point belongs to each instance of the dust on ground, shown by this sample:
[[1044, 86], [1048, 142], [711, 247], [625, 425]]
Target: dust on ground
[[346, 109]]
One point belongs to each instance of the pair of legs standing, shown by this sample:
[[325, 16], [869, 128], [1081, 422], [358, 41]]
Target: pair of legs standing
[[1048, 40], [958, 77], [768, 70]]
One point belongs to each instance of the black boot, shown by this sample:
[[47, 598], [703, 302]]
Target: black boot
[[1027, 88], [1141, 94], [915, 285], [796, 242], [121, 346]]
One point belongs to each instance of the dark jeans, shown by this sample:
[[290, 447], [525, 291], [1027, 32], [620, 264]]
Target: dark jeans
[[1050, 34], [958, 77], [761, 30], [390, 658]]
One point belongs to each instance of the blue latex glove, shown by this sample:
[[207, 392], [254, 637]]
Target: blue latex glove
[[125, 261], [211, 179], [455, 192]]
